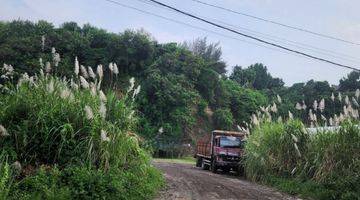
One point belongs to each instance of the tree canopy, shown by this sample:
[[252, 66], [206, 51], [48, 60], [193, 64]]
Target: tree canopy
[[184, 87]]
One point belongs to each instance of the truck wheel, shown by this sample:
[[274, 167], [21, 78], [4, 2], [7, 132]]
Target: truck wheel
[[198, 162], [213, 166], [240, 170], [203, 165]]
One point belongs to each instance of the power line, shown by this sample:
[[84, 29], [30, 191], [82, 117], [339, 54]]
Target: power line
[[200, 28], [278, 23], [296, 44], [278, 39], [254, 38]]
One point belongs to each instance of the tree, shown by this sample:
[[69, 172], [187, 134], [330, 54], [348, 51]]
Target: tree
[[211, 53], [255, 76], [243, 77], [351, 82]]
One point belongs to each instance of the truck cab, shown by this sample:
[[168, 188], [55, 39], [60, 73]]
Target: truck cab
[[223, 150]]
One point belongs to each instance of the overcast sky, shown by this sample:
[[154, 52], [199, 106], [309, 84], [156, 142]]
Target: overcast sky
[[338, 18]]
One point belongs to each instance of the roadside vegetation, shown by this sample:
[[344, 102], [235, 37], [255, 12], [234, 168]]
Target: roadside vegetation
[[186, 90], [67, 139], [67, 126], [321, 163]]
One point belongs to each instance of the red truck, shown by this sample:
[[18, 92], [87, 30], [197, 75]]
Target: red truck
[[221, 150]]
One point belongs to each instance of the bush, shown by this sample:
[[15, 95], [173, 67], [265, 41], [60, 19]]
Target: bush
[[83, 183], [81, 141], [223, 119], [201, 108]]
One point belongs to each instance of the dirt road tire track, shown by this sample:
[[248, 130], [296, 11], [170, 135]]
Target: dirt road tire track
[[187, 182]]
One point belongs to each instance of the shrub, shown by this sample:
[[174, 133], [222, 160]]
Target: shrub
[[201, 108], [223, 119], [76, 182]]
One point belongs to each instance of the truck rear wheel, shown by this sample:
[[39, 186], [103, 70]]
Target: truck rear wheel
[[204, 166], [214, 168]]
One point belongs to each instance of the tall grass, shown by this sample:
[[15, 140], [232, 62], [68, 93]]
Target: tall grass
[[329, 159], [62, 134], [322, 164], [276, 148]]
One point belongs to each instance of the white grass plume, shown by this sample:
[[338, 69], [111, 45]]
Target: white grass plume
[[48, 67], [297, 150], [50, 86], [3, 131], [291, 116], [116, 69], [102, 110], [89, 113], [73, 85], [91, 73], [104, 137], [315, 105], [322, 105], [77, 67], [278, 98], [84, 83], [56, 59], [65, 93], [339, 97], [100, 71], [347, 101], [84, 71], [102, 96], [132, 84]]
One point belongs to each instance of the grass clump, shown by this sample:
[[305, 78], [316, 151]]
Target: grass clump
[[66, 139]]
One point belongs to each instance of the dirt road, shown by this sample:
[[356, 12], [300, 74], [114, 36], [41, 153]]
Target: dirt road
[[186, 182]]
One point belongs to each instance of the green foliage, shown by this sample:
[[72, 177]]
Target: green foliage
[[83, 183], [275, 148], [351, 82], [47, 128], [223, 119], [84, 153], [201, 108], [174, 78], [5, 177], [211, 53], [242, 101], [168, 96], [255, 76], [334, 160], [324, 165]]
